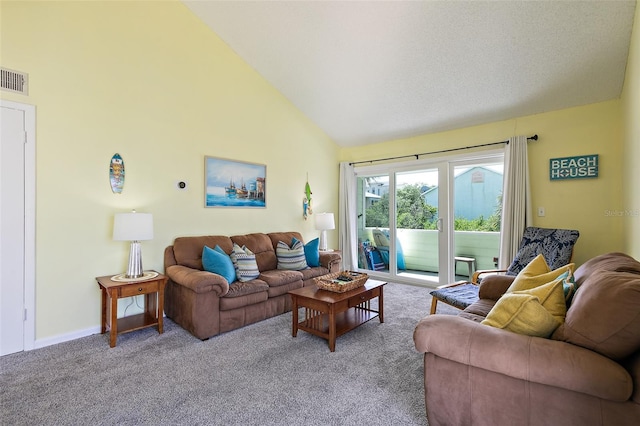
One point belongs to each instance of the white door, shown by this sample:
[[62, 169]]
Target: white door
[[17, 174]]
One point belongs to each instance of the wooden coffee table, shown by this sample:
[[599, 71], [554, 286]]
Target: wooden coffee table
[[329, 314]]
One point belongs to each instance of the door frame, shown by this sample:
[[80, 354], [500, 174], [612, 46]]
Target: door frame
[[446, 167], [29, 220]]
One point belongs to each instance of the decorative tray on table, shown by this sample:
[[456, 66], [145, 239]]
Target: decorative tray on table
[[341, 281]]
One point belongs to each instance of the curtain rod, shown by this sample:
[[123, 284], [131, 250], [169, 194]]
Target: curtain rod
[[533, 138]]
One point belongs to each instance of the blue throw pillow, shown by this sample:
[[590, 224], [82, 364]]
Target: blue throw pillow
[[312, 253], [218, 262]]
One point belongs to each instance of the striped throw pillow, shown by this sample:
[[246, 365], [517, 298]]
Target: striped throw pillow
[[245, 263], [291, 258]]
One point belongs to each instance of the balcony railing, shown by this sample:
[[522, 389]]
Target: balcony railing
[[420, 248]]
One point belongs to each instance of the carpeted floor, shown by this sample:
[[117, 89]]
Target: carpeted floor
[[257, 375]]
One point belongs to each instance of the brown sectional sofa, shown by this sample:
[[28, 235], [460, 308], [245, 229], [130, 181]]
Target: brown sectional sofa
[[204, 303], [587, 373]]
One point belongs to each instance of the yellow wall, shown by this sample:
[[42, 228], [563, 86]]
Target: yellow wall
[[149, 81], [631, 108], [577, 204]]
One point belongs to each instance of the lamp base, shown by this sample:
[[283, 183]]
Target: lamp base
[[323, 241], [134, 270]]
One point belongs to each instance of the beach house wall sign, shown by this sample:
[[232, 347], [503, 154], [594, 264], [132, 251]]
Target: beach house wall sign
[[579, 167]]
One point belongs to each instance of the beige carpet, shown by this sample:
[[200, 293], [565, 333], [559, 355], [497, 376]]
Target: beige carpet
[[257, 375]]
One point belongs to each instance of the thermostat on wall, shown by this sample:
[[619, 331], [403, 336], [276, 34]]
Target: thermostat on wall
[[181, 185]]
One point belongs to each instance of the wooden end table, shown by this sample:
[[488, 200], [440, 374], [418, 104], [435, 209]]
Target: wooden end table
[[329, 314], [111, 291]]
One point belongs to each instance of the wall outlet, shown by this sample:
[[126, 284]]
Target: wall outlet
[[540, 211]]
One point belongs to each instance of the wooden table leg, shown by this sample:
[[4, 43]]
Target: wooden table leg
[[332, 328], [113, 333], [294, 311], [161, 310], [381, 306], [103, 316]]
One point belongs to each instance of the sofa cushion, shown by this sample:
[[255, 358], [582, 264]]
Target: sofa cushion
[[314, 272], [243, 294], [245, 263], [522, 313], [616, 262], [284, 289], [291, 258], [480, 308], [217, 261], [260, 245], [604, 314], [188, 250], [536, 273], [279, 277]]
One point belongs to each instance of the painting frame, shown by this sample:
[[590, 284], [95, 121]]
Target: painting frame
[[234, 183]]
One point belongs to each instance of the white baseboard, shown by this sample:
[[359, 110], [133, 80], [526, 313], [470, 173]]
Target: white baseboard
[[41, 343], [48, 341]]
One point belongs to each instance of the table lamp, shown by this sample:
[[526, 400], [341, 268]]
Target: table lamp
[[134, 227], [324, 222]]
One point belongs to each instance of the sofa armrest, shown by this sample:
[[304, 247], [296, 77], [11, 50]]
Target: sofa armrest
[[196, 280], [534, 359], [331, 260], [494, 286]]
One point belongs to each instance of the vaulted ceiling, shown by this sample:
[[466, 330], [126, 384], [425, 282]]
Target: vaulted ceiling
[[372, 71]]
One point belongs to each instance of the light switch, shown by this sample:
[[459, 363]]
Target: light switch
[[540, 211]]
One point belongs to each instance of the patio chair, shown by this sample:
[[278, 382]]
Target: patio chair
[[556, 245]]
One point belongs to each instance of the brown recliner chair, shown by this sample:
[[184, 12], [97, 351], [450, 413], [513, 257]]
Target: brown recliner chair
[[587, 373]]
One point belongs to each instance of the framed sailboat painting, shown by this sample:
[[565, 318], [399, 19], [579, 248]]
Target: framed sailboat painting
[[231, 183]]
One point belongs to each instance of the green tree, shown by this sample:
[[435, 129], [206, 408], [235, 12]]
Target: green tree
[[377, 215], [415, 213]]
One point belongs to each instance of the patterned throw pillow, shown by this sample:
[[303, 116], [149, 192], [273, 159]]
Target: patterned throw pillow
[[291, 258], [245, 263], [569, 286]]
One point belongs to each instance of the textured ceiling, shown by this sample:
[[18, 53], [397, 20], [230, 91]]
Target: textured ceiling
[[368, 72]]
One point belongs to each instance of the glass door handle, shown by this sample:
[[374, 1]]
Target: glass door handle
[[439, 224]]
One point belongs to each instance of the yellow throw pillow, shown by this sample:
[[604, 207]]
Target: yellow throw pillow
[[551, 296], [536, 273], [522, 314]]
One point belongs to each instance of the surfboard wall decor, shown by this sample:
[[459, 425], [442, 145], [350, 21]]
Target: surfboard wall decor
[[116, 173]]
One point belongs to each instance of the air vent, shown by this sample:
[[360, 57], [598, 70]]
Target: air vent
[[14, 81]]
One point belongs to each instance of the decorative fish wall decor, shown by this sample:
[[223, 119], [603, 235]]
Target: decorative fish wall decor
[[306, 201]]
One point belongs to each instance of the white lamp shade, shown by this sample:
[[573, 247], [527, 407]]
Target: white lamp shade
[[324, 221], [133, 226]]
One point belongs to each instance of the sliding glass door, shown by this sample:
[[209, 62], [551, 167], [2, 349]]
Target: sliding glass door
[[477, 210], [399, 231], [429, 222]]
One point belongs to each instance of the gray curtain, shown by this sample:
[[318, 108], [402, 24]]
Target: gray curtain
[[516, 199], [348, 234]]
